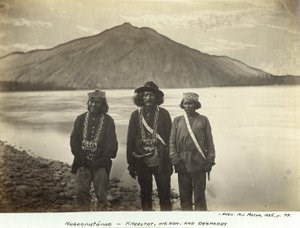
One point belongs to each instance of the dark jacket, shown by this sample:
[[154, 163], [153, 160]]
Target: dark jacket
[[134, 137], [106, 149]]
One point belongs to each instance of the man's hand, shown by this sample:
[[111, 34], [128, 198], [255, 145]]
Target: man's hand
[[180, 167], [132, 171], [133, 174], [208, 166]]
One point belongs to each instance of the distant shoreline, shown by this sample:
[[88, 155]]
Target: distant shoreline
[[11, 86]]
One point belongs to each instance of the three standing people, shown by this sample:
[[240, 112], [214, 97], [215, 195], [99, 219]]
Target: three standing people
[[192, 152], [93, 144], [154, 144], [147, 146]]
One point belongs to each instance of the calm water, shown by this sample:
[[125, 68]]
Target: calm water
[[256, 132]]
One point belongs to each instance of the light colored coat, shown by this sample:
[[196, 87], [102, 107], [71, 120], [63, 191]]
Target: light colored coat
[[182, 146]]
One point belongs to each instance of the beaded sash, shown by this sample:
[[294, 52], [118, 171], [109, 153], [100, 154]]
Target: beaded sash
[[149, 146], [90, 146]]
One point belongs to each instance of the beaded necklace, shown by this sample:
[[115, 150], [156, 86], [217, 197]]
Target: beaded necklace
[[156, 115]]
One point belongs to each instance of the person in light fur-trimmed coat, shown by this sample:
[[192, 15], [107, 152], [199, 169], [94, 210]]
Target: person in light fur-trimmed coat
[[189, 163]]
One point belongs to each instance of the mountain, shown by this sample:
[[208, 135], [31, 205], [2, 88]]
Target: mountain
[[125, 57]]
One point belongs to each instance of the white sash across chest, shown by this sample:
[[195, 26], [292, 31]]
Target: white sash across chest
[[145, 124], [193, 136]]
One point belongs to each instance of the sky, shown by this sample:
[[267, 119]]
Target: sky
[[264, 34]]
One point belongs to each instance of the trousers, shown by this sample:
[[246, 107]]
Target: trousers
[[84, 177], [190, 183], [163, 183]]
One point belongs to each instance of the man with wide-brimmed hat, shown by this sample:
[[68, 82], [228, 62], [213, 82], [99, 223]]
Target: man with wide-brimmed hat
[[93, 144], [147, 145], [192, 152]]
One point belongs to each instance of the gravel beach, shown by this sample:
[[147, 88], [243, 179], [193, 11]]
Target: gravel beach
[[36, 184]]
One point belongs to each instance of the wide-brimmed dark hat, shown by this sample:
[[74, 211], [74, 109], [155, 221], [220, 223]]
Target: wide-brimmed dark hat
[[149, 86]]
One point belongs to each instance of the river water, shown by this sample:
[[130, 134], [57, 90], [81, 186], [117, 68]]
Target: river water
[[256, 133]]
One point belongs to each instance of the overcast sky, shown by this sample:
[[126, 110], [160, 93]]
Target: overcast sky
[[261, 33]]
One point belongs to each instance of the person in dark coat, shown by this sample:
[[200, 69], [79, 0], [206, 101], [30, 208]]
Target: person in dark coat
[[193, 155], [93, 144], [147, 146]]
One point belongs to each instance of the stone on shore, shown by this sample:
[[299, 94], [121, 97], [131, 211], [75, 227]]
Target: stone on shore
[[35, 184]]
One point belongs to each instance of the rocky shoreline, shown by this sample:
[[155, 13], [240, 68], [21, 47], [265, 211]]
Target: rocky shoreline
[[35, 184]]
